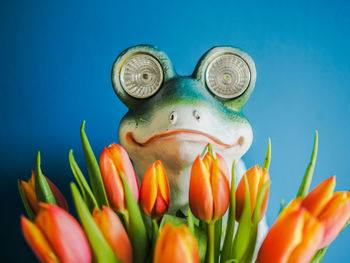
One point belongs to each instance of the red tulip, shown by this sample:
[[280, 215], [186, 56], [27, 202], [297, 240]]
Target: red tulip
[[256, 178], [112, 229], [56, 236], [332, 209], [175, 245], [113, 161], [28, 189], [155, 191], [209, 193], [295, 236]]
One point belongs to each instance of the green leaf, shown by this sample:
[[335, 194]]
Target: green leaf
[[249, 254], [241, 240], [200, 235], [319, 255], [190, 222], [42, 189], [25, 202], [305, 185], [217, 239], [101, 250], [136, 227], [231, 220], [267, 160], [93, 170], [88, 196]]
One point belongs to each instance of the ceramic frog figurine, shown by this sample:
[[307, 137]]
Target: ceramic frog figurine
[[172, 118]]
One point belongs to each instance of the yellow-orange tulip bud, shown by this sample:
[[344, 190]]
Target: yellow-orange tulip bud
[[332, 209], [256, 178], [113, 231], [155, 191], [295, 236], [113, 161], [28, 189], [209, 192], [56, 236], [175, 245]]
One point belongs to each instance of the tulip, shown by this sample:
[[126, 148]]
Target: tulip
[[113, 231], [28, 189], [114, 160], [56, 236], [155, 191], [209, 192], [175, 245], [332, 209], [295, 236], [257, 178]]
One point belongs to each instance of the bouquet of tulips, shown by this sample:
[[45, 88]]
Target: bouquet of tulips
[[120, 222]]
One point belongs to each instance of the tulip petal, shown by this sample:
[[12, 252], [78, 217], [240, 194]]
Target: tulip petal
[[317, 199], [38, 242], [149, 190], [313, 233], [334, 216], [282, 238], [112, 182], [200, 192], [122, 162], [112, 229], [220, 190], [162, 182], [29, 193], [64, 234]]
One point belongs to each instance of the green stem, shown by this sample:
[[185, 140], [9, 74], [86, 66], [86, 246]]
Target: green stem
[[211, 241], [126, 216]]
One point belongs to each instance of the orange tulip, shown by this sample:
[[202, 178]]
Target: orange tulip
[[175, 245], [56, 236], [155, 191], [28, 189], [112, 229], [209, 193], [256, 178], [295, 236], [113, 161], [332, 209]]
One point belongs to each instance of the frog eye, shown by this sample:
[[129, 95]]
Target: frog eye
[[141, 76], [227, 76]]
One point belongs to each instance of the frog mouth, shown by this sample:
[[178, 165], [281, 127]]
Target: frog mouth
[[185, 135]]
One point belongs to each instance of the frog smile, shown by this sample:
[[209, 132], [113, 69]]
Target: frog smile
[[184, 135]]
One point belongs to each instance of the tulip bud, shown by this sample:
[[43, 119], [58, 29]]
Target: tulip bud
[[295, 236], [113, 231], [56, 236], [28, 189], [155, 191], [209, 192], [175, 245], [332, 209], [113, 161], [256, 178]]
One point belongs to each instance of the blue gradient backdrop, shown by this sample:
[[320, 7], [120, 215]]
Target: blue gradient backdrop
[[55, 64]]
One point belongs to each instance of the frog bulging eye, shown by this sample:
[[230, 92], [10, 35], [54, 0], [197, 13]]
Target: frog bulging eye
[[141, 76], [228, 76]]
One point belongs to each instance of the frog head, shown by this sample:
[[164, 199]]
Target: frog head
[[173, 118]]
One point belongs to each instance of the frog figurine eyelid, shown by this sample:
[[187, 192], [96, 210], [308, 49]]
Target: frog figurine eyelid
[[172, 118]]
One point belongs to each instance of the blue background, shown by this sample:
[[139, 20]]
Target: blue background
[[55, 64]]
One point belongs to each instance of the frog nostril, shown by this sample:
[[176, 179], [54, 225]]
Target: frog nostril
[[173, 117], [196, 115]]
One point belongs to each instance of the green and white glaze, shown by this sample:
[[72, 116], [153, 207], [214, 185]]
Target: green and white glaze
[[176, 123]]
